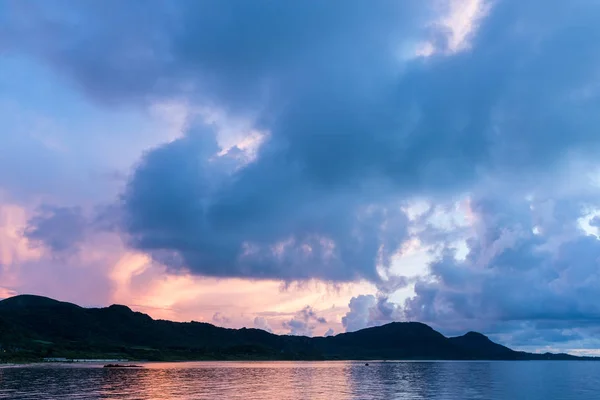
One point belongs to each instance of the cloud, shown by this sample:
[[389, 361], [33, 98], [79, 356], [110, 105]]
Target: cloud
[[220, 319], [185, 206], [368, 310], [529, 267], [49, 157], [538, 335], [304, 322], [330, 332], [262, 323], [347, 140], [61, 229], [54, 260], [174, 49], [356, 126], [263, 221]]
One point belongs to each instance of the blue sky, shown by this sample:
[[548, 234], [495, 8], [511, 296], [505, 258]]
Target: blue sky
[[307, 167]]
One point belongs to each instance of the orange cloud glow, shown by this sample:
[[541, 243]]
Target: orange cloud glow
[[104, 272]]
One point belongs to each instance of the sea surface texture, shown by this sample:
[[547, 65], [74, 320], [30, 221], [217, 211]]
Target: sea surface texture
[[532, 380]]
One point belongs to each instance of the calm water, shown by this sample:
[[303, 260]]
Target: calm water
[[307, 380]]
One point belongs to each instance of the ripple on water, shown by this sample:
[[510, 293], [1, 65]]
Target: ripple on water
[[306, 380]]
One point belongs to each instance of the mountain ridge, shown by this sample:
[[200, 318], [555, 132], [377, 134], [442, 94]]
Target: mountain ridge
[[33, 327]]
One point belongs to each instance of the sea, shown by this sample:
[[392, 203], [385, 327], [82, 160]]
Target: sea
[[343, 380]]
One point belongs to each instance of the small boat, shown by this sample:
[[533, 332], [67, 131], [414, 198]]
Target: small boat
[[122, 366]]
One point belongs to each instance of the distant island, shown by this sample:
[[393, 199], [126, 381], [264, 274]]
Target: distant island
[[34, 328]]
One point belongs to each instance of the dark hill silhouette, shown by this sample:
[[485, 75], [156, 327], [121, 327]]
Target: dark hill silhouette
[[32, 327], [481, 346]]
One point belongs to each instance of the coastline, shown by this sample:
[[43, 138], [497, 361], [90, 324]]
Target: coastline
[[102, 362]]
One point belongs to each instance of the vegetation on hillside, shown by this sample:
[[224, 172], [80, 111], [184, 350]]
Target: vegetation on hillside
[[33, 327]]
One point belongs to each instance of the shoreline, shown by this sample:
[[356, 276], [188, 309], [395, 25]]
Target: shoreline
[[101, 363]]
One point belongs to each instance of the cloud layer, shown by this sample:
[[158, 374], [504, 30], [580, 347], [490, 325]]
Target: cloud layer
[[348, 142], [333, 120], [528, 262]]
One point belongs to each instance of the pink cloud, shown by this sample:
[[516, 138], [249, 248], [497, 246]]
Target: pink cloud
[[103, 271]]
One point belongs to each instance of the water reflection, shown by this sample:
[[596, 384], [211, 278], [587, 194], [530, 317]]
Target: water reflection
[[304, 380], [225, 380]]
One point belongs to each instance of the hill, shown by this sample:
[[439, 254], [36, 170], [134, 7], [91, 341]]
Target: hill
[[33, 327]]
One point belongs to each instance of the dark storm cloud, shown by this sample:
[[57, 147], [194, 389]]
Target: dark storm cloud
[[184, 208], [346, 137], [300, 191], [231, 51]]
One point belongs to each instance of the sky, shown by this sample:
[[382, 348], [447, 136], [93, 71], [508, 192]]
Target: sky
[[308, 168]]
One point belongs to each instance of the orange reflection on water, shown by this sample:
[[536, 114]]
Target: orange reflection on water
[[231, 380]]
